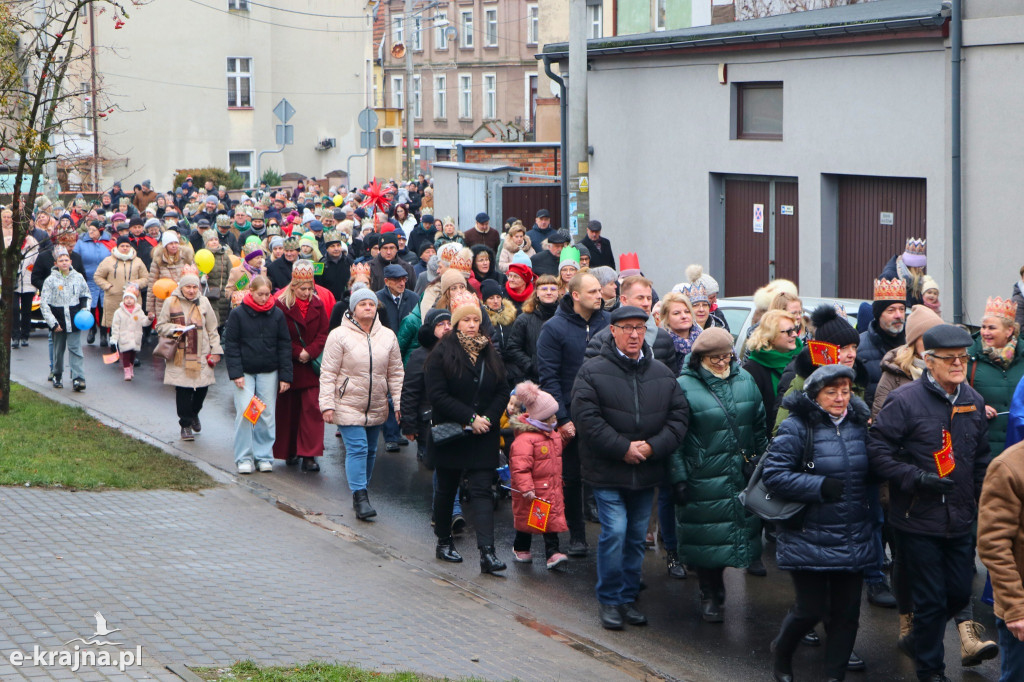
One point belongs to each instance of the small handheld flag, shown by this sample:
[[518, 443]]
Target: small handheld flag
[[944, 461], [539, 513], [254, 409], [242, 282], [111, 358], [823, 353], [318, 269]]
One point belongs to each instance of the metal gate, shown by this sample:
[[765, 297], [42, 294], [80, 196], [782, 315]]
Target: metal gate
[[762, 233], [472, 200], [876, 217], [523, 201]]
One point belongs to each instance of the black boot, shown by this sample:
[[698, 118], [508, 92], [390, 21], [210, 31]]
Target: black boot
[[309, 464], [361, 503], [91, 336], [710, 609], [783, 647], [103, 337], [675, 569], [445, 550], [489, 561]]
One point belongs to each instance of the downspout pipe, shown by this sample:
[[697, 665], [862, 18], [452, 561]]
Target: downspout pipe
[[563, 104], [956, 185]]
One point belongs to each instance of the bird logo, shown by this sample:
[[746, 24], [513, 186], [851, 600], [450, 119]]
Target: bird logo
[[101, 631]]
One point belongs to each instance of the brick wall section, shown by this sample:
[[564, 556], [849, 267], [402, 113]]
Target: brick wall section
[[539, 160]]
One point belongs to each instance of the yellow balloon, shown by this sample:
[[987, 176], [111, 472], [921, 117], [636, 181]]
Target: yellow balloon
[[204, 260], [235, 261]]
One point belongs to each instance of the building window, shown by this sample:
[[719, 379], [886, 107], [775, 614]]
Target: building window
[[467, 28], [242, 5], [86, 108], [491, 26], [417, 97], [532, 24], [659, 15], [241, 162], [440, 97], [441, 21], [759, 111], [398, 30], [490, 96], [417, 34], [465, 95], [240, 81], [595, 21], [397, 92]]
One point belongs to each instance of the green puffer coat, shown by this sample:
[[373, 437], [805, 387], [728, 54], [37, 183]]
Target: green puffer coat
[[408, 331], [713, 528], [996, 386]]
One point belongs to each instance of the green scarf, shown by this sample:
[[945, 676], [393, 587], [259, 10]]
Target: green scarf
[[775, 361]]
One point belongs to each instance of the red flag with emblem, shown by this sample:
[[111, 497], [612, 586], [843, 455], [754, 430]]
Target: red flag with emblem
[[254, 409], [539, 513], [944, 461]]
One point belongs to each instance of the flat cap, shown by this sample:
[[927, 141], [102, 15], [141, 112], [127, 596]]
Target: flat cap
[[946, 336], [559, 237], [483, 218], [395, 271], [825, 375], [629, 312]]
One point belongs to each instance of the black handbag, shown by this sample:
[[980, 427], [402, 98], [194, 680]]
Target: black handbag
[[749, 458], [760, 501], [449, 432]]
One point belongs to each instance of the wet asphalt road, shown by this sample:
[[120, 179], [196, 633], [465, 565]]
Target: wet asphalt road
[[676, 644]]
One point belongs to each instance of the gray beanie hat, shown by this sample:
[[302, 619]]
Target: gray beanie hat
[[432, 264], [825, 375], [361, 295]]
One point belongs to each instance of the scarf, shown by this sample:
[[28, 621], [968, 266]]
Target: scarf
[[935, 307], [546, 311], [521, 296], [251, 270], [123, 256], [1001, 357], [917, 368], [542, 426], [251, 302], [472, 344], [187, 354], [775, 361], [684, 345], [303, 306]]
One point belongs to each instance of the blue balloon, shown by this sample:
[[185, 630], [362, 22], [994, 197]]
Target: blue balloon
[[84, 320]]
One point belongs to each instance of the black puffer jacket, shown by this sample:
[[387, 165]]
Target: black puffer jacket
[[906, 433], [257, 343], [656, 337], [521, 344], [873, 346], [414, 388], [616, 401], [833, 536]]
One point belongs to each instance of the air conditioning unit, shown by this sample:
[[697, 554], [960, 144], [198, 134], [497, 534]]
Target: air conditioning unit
[[390, 137]]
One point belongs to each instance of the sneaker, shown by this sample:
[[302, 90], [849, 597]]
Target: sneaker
[[57, 382], [265, 466], [197, 425], [24, 343], [186, 433], [78, 384], [879, 594], [577, 548], [522, 557], [458, 523], [245, 467], [557, 559], [391, 446]]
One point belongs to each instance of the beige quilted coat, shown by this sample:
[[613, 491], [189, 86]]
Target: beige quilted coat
[[359, 370]]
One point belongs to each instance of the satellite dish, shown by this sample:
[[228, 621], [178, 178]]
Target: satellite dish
[[398, 50], [451, 33]]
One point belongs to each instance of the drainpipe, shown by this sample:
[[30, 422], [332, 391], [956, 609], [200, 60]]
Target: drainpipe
[[563, 104], [955, 41]]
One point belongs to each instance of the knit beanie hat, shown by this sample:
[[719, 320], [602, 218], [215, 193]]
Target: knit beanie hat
[[169, 237], [523, 259], [570, 256], [713, 340], [489, 288], [915, 253], [928, 282], [921, 319], [695, 274], [538, 404], [188, 280], [361, 295], [831, 328], [464, 303], [450, 278]]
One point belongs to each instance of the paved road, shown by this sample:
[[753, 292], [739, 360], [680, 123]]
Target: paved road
[[676, 645]]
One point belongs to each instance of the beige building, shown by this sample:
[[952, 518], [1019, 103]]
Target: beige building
[[195, 86]]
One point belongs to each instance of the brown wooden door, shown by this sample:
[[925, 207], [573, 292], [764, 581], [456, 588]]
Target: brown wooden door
[[748, 260], [865, 242], [523, 201]]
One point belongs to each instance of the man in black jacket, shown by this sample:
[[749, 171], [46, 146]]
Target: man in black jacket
[[546, 262], [630, 415], [337, 267], [388, 255], [930, 440], [395, 304], [280, 271], [600, 248], [638, 291], [886, 331]]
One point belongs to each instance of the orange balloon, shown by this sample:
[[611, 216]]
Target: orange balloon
[[162, 288], [235, 261]]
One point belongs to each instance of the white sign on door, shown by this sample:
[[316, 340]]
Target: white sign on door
[[758, 218]]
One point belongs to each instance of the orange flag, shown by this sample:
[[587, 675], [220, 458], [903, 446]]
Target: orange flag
[[111, 358], [944, 461], [539, 513], [254, 409], [823, 353]]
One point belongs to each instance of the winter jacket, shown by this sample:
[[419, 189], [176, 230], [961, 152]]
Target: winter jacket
[[62, 296], [359, 371], [508, 252], [502, 321], [407, 330], [235, 294], [561, 346], [113, 275], [538, 236], [657, 338], [218, 278], [143, 198], [309, 334], [796, 373], [336, 275], [257, 342], [904, 436], [126, 327], [1018, 297], [602, 256], [144, 246], [521, 342], [206, 334], [29, 253], [414, 387], [93, 253], [996, 386], [229, 239], [893, 377], [377, 266], [491, 239], [45, 263], [280, 273], [873, 346], [713, 528], [440, 240], [419, 235], [544, 263], [616, 400], [833, 536], [392, 315], [535, 462], [164, 267], [456, 398], [1001, 534]]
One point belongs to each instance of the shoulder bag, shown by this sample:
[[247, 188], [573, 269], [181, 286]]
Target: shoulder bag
[[760, 501], [166, 347], [316, 362], [749, 457], [449, 432]]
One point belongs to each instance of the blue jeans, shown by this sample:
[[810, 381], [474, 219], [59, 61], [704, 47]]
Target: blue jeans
[[667, 518], [624, 515], [255, 441], [1011, 650], [360, 454], [72, 341], [392, 434]]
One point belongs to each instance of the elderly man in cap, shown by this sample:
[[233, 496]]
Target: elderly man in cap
[[541, 229], [600, 248], [483, 233], [547, 262], [196, 238], [388, 255], [630, 415], [395, 303], [930, 441]]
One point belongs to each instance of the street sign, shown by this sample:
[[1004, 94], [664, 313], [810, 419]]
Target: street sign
[[284, 134], [368, 120], [284, 111], [758, 218], [368, 139], [887, 218], [584, 183]]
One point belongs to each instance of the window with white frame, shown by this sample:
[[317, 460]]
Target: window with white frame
[[86, 108], [242, 5], [417, 97], [417, 34], [595, 21], [241, 162], [491, 27], [440, 97], [398, 92], [465, 95], [398, 30], [490, 96], [659, 14], [441, 37], [532, 24], [466, 20], [239, 81]]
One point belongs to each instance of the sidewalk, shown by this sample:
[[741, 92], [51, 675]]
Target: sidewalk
[[208, 579]]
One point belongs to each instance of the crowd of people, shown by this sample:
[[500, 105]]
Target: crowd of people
[[513, 349]]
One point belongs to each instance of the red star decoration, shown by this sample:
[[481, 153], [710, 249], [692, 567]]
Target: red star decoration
[[376, 197]]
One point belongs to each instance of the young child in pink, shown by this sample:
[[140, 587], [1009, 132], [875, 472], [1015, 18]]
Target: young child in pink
[[126, 330]]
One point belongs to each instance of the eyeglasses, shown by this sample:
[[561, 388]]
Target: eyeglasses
[[952, 359], [631, 330], [720, 359], [792, 331]]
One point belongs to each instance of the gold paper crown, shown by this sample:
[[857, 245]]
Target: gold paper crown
[[360, 269], [302, 272], [223, 220], [916, 247], [461, 263], [890, 289], [997, 307], [189, 269]]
